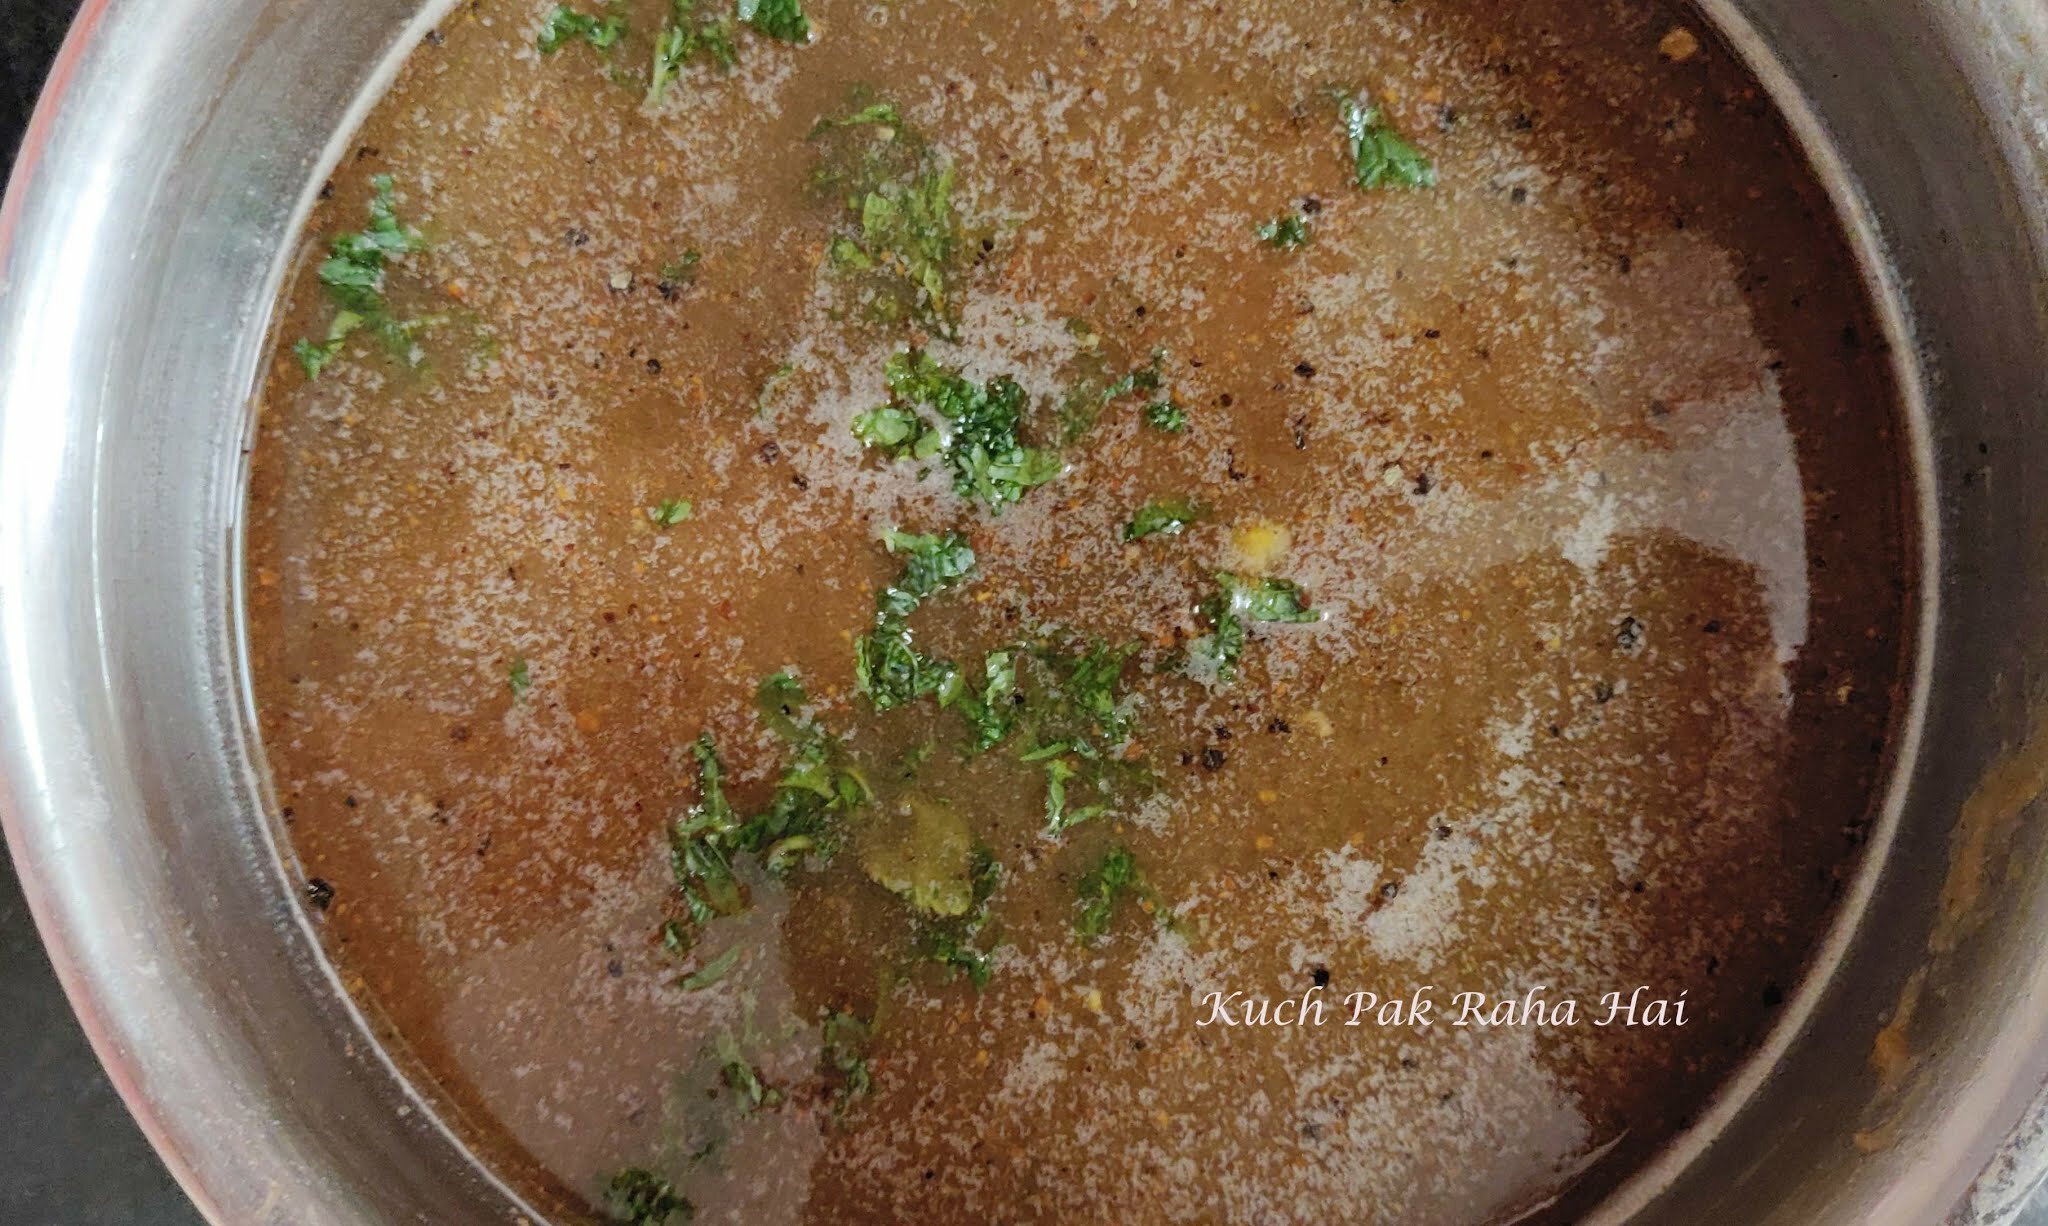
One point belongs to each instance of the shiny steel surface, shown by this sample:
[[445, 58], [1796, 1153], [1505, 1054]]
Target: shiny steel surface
[[141, 245]]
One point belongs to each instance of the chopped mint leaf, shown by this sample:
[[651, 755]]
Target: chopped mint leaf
[[682, 270], [1223, 646], [931, 564], [686, 36], [899, 250], [670, 512], [711, 972], [519, 678], [783, 19], [908, 228], [843, 1058], [815, 792], [353, 274], [878, 114], [898, 432], [1115, 876], [845, 254], [979, 440], [960, 956], [1166, 516], [992, 709], [1084, 714], [701, 843], [1147, 378], [955, 943], [637, 1197], [565, 25], [887, 668], [1058, 816], [315, 357], [1268, 600], [1081, 718], [1238, 601], [1285, 232], [892, 672], [1167, 416], [742, 1078], [1380, 157], [817, 788], [1085, 402]]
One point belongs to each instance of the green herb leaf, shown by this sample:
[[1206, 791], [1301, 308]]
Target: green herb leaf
[[1082, 717], [1080, 727], [565, 25], [711, 972], [1147, 378], [1167, 416], [742, 1078], [353, 275], [783, 19], [931, 564], [1084, 713], [898, 195], [682, 270], [1268, 600], [1060, 818], [637, 1197], [886, 667], [1238, 601], [1114, 876], [815, 793], [979, 441], [1166, 516], [958, 955], [878, 114], [1223, 646], [991, 710], [955, 943], [1285, 232], [670, 512], [846, 254], [519, 678], [1085, 403], [1379, 156], [891, 672], [686, 36], [843, 1058], [898, 432], [701, 843], [316, 357]]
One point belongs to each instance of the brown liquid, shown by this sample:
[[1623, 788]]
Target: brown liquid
[[1616, 365]]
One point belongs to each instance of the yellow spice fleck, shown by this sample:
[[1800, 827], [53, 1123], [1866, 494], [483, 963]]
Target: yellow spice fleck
[[1678, 45]]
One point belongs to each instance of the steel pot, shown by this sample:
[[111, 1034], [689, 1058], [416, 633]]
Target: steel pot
[[143, 242]]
